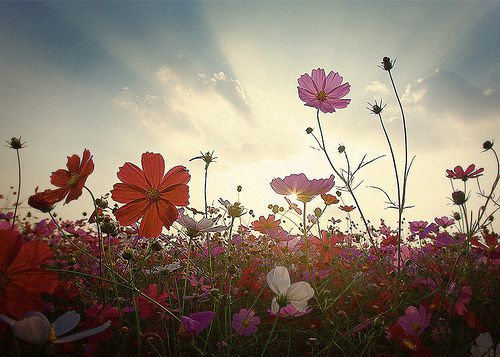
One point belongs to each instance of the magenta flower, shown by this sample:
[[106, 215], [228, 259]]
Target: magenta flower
[[323, 92], [197, 322], [414, 322], [245, 322], [444, 221], [300, 186], [459, 173]]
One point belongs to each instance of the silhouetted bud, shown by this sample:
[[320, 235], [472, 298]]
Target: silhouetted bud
[[487, 145], [458, 197]]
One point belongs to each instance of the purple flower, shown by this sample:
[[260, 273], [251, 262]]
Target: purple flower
[[245, 322], [444, 221], [197, 322], [422, 229], [323, 92], [300, 186], [414, 322]]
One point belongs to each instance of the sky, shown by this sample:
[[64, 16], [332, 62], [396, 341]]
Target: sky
[[177, 78]]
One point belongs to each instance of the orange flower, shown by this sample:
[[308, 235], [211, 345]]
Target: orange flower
[[150, 194], [329, 199], [72, 180], [21, 278]]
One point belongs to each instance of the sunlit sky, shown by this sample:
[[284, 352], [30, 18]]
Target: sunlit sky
[[122, 78]]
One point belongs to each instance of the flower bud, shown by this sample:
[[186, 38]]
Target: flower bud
[[317, 212], [387, 63], [487, 145], [341, 149], [309, 130], [457, 216], [458, 197]]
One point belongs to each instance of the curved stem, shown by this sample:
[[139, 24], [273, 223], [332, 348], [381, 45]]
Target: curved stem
[[347, 185], [18, 189]]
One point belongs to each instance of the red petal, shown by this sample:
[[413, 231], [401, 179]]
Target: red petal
[[9, 247], [175, 176], [133, 176], [154, 168], [60, 178], [151, 223], [168, 213], [30, 256], [470, 169], [75, 191], [131, 212], [73, 163], [177, 195], [124, 193]]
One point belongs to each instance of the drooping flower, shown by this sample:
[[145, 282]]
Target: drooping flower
[[43, 201], [197, 322], [72, 180], [22, 280], [36, 329], [296, 294], [194, 228], [323, 92], [458, 173], [150, 194], [300, 186], [414, 322], [245, 322]]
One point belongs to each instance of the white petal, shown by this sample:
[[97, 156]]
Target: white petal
[[278, 280], [300, 305], [80, 335], [66, 322], [7, 320], [300, 291], [274, 306], [35, 328]]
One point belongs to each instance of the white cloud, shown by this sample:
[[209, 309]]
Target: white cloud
[[377, 88]]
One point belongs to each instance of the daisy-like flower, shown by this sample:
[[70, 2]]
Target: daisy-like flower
[[194, 228], [151, 194], [245, 322], [301, 187], [444, 221], [37, 330], [458, 173], [323, 92], [72, 180], [269, 225], [296, 294], [414, 322]]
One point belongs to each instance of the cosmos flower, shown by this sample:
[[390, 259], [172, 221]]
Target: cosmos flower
[[444, 221], [346, 208], [245, 322], [72, 180], [323, 92], [150, 194], [194, 228], [36, 329], [197, 322], [43, 201], [414, 322], [458, 173], [296, 294], [269, 225], [22, 280], [300, 186]]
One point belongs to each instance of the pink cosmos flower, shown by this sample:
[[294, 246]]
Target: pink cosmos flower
[[444, 221], [300, 186], [245, 322], [459, 173], [323, 92], [197, 322], [414, 322]]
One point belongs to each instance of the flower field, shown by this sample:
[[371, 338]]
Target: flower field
[[144, 273]]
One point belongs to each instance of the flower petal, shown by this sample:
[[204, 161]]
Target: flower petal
[[131, 212], [154, 168], [151, 223], [60, 178], [177, 195], [175, 176], [80, 335], [278, 280], [299, 293], [124, 193], [131, 175], [66, 322], [34, 328]]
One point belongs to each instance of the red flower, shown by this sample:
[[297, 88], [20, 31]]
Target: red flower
[[72, 180], [347, 208], [459, 173], [151, 194], [43, 201], [21, 278], [267, 225]]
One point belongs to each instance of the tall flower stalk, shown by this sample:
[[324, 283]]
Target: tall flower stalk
[[16, 144]]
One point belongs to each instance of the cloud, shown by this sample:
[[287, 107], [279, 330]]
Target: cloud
[[377, 88]]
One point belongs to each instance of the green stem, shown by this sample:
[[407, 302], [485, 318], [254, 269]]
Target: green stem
[[18, 189], [270, 337]]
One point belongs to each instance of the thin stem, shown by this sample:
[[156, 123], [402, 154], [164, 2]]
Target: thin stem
[[18, 189], [205, 190], [347, 185]]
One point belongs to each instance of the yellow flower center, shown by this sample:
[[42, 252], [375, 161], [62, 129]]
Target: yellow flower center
[[416, 326], [153, 194], [52, 336], [321, 96], [73, 180], [245, 323], [410, 345]]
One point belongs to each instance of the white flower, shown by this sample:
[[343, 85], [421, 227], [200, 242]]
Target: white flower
[[484, 346], [194, 227], [36, 329], [296, 294]]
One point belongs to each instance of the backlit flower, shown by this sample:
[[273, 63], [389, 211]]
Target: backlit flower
[[346, 208], [269, 225], [197, 322], [296, 294], [245, 322], [194, 228], [43, 201], [459, 173], [301, 187], [414, 322], [22, 280], [150, 194], [72, 180], [323, 92], [36, 329]]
